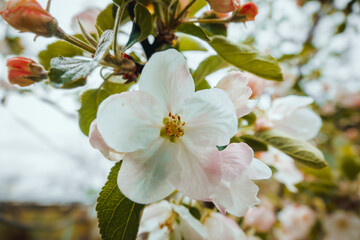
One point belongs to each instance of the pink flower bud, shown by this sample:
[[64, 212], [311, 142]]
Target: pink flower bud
[[29, 16], [249, 10], [224, 6], [261, 218], [24, 71]]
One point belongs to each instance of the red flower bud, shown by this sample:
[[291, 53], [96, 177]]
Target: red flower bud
[[24, 71], [29, 16], [249, 10]]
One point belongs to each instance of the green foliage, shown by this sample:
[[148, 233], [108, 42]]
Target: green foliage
[[186, 43], [57, 49], [142, 27], [106, 19], [91, 99], [300, 150], [118, 217], [208, 66], [202, 85], [199, 4], [241, 56]]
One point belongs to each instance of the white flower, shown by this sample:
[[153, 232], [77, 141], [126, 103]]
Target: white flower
[[296, 222], [168, 131], [237, 192], [163, 220], [287, 173], [261, 218], [342, 225], [221, 227], [291, 115], [235, 84]]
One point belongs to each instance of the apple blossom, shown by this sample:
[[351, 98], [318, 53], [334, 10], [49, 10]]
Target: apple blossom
[[29, 16], [296, 222], [237, 192], [342, 225], [224, 6], [291, 115], [168, 131], [24, 71], [235, 84], [287, 173], [257, 84], [164, 220], [261, 218], [219, 226]]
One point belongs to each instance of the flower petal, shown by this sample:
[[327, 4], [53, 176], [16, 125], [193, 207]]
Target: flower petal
[[167, 78], [303, 123], [258, 170], [154, 215], [143, 174], [236, 158], [129, 121], [197, 171], [285, 106], [210, 118]]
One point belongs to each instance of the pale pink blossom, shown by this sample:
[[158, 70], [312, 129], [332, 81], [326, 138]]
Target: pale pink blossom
[[260, 218], [257, 84], [224, 6], [342, 225], [237, 192], [164, 220], [168, 132], [87, 19], [292, 115], [286, 173], [235, 84], [221, 227], [296, 222]]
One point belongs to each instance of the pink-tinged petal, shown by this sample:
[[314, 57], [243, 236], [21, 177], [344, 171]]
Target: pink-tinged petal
[[210, 118], [302, 123], [286, 106], [197, 170], [166, 77], [190, 227], [236, 158], [224, 6], [221, 227], [97, 142], [235, 84], [143, 176], [154, 215], [258, 170], [130, 121]]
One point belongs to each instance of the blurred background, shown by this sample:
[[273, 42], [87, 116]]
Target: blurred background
[[50, 176]]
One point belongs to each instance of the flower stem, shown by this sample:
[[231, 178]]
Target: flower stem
[[66, 37], [118, 18], [184, 10], [226, 20]]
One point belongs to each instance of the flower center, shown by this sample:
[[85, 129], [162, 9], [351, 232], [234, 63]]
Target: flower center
[[173, 127]]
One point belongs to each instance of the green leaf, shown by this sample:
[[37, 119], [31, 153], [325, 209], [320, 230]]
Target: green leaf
[[118, 217], [208, 66], [242, 56], [106, 19], [215, 28], [142, 26], [199, 4], [202, 85], [57, 49], [186, 43], [300, 150], [91, 99], [247, 58]]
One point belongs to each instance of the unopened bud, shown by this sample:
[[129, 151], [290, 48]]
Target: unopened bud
[[29, 16], [248, 10], [24, 71], [224, 6]]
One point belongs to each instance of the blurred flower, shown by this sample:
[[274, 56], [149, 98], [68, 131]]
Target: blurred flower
[[87, 19], [235, 84], [97, 142], [342, 225], [296, 222], [219, 227], [287, 173], [224, 6], [168, 132], [291, 115], [29, 16], [257, 84], [348, 98], [24, 71], [248, 10], [164, 220], [237, 192], [261, 218]]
